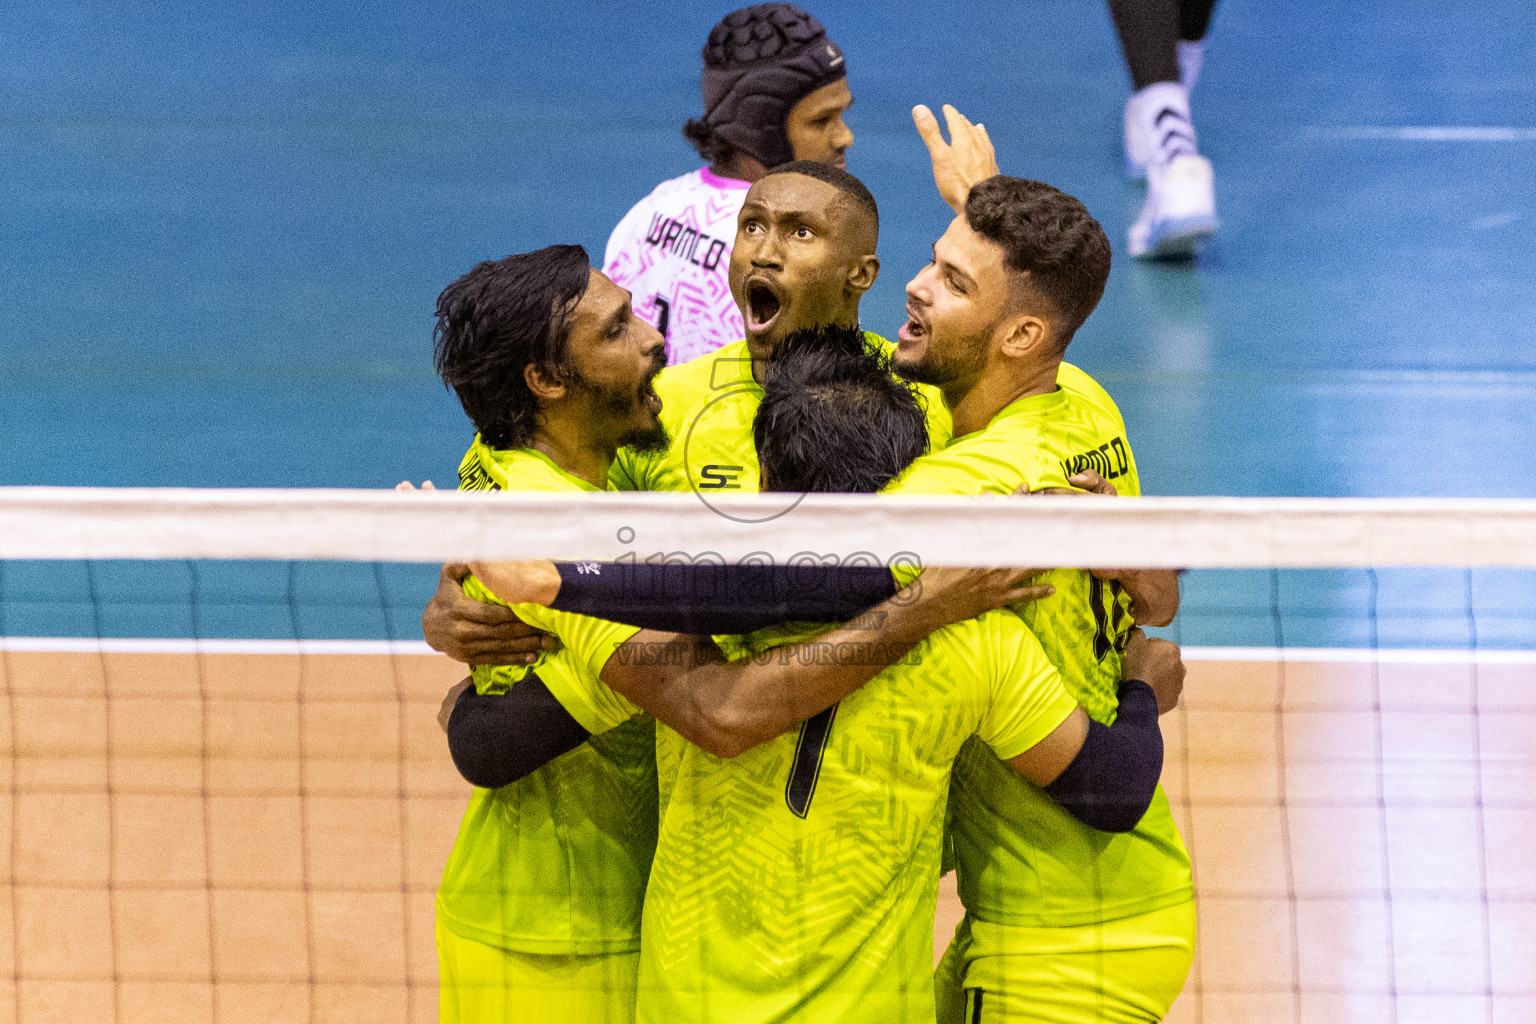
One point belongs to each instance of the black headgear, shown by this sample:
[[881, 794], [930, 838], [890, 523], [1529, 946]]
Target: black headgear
[[759, 62]]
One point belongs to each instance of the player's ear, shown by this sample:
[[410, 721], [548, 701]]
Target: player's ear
[[544, 385], [862, 274], [1024, 334]]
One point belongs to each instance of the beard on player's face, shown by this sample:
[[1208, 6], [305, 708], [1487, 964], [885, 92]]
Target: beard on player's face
[[651, 440], [946, 360], [633, 409]]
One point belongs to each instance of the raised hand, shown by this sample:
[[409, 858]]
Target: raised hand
[[968, 156]]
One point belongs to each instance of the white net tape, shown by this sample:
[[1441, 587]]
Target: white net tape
[[149, 523]]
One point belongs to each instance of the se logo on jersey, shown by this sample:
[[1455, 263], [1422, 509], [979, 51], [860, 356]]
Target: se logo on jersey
[[719, 478]]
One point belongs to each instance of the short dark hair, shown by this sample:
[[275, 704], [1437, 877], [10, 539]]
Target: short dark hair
[[838, 179], [496, 320], [1048, 235], [834, 418]]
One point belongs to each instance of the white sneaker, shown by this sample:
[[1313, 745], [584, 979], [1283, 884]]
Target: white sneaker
[[1136, 141], [1180, 211]]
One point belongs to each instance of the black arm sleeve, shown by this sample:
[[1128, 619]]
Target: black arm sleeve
[[498, 738], [1110, 784], [706, 598]]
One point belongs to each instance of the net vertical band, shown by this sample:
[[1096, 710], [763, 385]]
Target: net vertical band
[[305, 840], [205, 711], [1477, 802], [1383, 833], [113, 927], [1287, 853]]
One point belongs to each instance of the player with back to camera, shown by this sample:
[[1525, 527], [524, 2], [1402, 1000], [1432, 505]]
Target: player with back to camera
[[538, 913], [775, 89]]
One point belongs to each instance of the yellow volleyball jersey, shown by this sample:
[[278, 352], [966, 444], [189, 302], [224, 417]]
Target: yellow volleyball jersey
[[797, 881], [708, 406], [1041, 440], [1020, 858], [556, 862]]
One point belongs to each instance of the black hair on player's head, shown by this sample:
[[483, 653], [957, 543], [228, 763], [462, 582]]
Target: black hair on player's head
[[1048, 235], [838, 179], [833, 416], [495, 321]]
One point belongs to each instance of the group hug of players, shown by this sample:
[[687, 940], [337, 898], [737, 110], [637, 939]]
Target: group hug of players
[[727, 793]]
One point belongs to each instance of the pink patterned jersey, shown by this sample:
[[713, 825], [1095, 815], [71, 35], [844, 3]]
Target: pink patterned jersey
[[673, 252]]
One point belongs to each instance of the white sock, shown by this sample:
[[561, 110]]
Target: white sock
[[1163, 110], [1191, 57]]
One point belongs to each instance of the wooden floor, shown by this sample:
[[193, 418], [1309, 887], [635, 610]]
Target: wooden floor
[[197, 838], [1362, 839]]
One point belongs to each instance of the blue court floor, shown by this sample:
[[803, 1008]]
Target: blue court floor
[[222, 233]]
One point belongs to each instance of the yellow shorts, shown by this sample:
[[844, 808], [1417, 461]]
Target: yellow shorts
[[1121, 971], [486, 985]]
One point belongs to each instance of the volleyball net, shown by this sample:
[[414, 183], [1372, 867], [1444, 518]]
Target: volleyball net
[[229, 798]]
